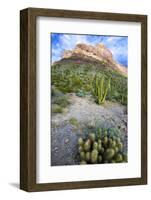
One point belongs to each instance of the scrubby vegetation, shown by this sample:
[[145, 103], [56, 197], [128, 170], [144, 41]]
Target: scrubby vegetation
[[103, 146], [73, 121], [56, 108], [59, 101], [82, 79]]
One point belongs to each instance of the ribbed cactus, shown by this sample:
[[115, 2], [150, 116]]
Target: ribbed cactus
[[80, 149], [99, 147], [80, 141], [105, 141], [124, 158], [82, 155], [92, 137], [94, 156], [112, 144], [83, 162], [116, 149], [88, 156], [87, 146], [100, 88], [99, 158], [120, 146], [95, 145], [119, 157], [109, 153]]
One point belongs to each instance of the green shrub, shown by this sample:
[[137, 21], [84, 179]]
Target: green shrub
[[55, 92], [62, 101], [72, 78], [81, 93], [74, 121], [59, 100], [56, 108]]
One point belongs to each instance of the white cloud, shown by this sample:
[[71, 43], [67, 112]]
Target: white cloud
[[70, 41]]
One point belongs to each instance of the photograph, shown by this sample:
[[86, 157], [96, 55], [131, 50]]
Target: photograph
[[88, 89]]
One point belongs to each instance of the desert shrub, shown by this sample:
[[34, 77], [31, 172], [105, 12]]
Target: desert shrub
[[56, 108], [58, 99], [73, 121], [81, 93], [55, 92], [118, 89], [101, 147], [72, 78], [62, 101]]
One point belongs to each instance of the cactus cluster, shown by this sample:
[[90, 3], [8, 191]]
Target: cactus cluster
[[101, 148]]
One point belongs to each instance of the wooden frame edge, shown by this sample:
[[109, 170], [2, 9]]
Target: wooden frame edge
[[27, 100], [144, 140]]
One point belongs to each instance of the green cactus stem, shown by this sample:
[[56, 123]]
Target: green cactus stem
[[119, 157], [92, 137], [83, 162], [87, 145], [88, 156], [80, 141], [100, 88], [109, 154], [82, 155], [94, 156]]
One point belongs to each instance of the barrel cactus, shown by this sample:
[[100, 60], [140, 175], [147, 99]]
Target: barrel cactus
[[80, 141], [92, 137], [100, 159], [80, 149], [119, 157], [95, 145], [109, 154], [88, 156], [101, 147], [87, 145], [82, 155], [83, 162], [94, 156]]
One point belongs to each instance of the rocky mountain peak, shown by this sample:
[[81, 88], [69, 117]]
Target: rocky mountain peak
[[98, 53]]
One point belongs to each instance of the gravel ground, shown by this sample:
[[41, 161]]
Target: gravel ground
[[64, 135]]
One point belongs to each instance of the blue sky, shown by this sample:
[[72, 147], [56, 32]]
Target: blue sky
[[118, 45]]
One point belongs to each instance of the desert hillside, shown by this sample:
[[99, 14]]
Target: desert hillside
[[89, 97], [98, 53]]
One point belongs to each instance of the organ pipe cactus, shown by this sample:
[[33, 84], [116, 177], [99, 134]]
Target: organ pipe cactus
[[100, 88]]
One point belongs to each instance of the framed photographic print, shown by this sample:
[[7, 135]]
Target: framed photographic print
[[83, 93]]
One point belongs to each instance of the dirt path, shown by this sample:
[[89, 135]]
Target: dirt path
[[85, 113]]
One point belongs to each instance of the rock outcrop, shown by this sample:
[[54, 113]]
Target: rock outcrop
[[97, 53]]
